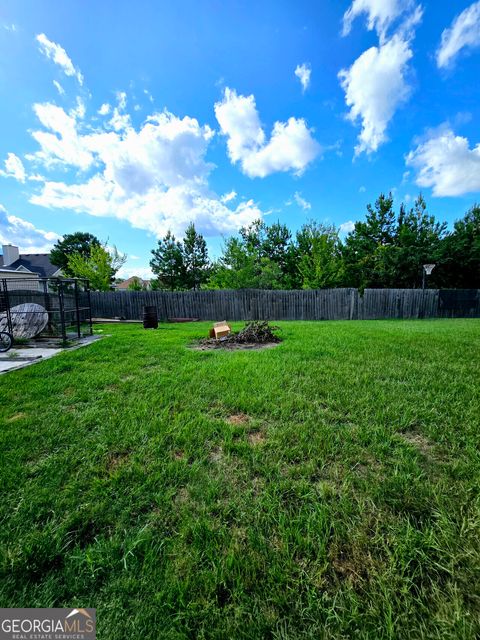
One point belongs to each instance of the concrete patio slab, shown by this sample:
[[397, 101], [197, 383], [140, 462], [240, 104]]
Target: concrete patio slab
[[24, 356]]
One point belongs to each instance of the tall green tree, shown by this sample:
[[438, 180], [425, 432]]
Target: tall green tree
[[459, 255], [369, 250], [253, 260], [319, 262], [79, 243], [99, 266], [195, 258], [279, 249], [167, 264], [417, 242]]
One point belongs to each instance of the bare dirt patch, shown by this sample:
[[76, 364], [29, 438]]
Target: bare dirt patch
[[182, 496], [420, 442], [238, 418], [216, 454], [256, 438], [116, 459]]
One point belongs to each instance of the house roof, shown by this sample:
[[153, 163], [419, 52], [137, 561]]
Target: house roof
[[125, 284], [35, 262]]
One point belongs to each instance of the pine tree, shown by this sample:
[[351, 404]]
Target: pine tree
[[168, 264], [195, 258]]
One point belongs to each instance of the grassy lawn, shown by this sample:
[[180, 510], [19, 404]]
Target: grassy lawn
[[325, 488]]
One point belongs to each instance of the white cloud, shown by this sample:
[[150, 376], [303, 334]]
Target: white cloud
[[303, 73], [346, 227], [291, 146], [464, 33], [380, 14], [156, 177], [24, 234], [104, 109], [362, 189], [14, 168], [129, 271], [120, 120], [148, 94], [61, 144], [59, 56], [78, 111], [304, 204], [228, 197], [375, 86], [239, 121], [59, 87], [446, 163]]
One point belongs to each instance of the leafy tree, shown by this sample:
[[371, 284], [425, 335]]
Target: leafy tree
[[253, 238], [278, 248], [253, 260], [79, 243], [136, 285], [320, 262], [459, 254], [97, 267], [195, 258], [235, 269], [369, 249], [167, 264], [418, 241]]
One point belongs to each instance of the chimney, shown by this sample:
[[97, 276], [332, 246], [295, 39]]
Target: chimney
[[10, 254]]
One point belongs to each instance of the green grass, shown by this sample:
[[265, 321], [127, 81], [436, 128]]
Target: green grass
[[342, 500]]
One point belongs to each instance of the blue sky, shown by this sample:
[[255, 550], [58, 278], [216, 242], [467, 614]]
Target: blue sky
[[127, 119]]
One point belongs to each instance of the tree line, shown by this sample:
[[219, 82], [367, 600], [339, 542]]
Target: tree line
[[386, 250]]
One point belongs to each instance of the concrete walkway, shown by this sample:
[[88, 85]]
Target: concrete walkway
[[24, 356]]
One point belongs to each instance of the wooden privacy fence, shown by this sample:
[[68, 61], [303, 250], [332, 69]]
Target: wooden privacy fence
[[315, 304]]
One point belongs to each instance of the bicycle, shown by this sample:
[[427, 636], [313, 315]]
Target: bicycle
[[6, 341]]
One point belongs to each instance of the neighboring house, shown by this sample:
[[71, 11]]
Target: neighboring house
[[123, 286], [22, 271], [30, 263]]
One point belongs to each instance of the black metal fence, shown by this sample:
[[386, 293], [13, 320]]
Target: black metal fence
[[315, 304], [46, 307]]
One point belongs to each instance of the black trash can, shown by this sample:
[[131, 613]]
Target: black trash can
[[150, 318]]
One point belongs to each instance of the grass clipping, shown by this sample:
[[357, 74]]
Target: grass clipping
[[254, 335]]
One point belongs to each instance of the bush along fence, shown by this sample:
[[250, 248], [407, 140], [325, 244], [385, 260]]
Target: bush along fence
[[315, 304]]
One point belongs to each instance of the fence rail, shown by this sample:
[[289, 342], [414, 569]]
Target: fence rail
[[315, 304]]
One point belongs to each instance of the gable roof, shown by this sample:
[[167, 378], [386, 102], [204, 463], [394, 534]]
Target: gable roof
[[126, 283], [38, 263]]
